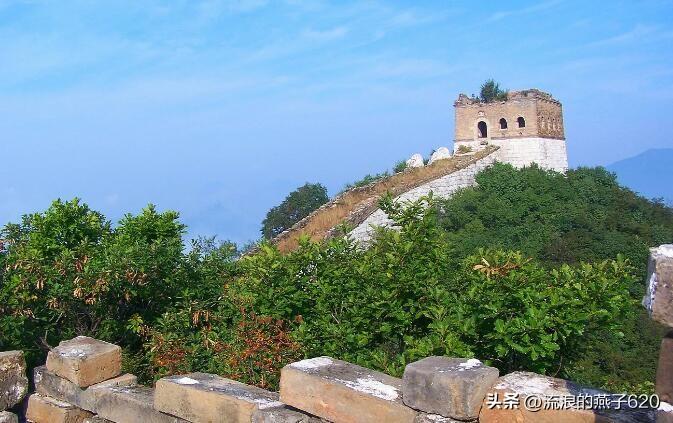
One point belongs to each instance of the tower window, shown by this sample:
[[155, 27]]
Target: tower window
[[482, 129], [503, 123], [521, 121]]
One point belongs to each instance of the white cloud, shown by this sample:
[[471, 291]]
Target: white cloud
[[497, 16], [326, 35]]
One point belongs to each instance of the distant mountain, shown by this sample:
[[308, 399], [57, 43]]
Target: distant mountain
[[649, 173]]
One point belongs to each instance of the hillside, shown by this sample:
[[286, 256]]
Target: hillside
[[530, 270], [649, 173]]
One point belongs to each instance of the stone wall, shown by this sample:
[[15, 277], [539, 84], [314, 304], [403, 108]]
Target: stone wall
[[548, 153], [543, 116], [443, 186], [82, 382]]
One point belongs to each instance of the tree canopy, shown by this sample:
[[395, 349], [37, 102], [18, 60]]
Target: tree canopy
[[296, 206], [528, 270], [491, 91]]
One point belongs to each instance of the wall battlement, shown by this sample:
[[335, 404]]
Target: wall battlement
[[321, 389]]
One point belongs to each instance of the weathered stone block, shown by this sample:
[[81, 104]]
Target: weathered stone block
[[436, 418], [43, 409], [7, 417], [440, 154], [451, 387], [664, 380], [658, 299], [13, 380], [665, 413], [343, 392], [282, 414], [416, 160], [523, 397], [129, 404], [85, 361], [52, 385], [96, 419], [202, 397]]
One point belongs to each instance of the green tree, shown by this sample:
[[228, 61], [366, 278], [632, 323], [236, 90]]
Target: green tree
[[68, 272], [296, 206], [491, 91]]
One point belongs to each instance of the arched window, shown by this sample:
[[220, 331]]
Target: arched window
[[503, 123], [521, 121], [482, 129]]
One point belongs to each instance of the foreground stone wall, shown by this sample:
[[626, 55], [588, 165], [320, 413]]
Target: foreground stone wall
[[321, 389]]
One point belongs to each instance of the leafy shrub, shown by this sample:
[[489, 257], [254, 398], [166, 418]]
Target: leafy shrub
[[67, 272], [400, 166], [490, 91], [366, 180]]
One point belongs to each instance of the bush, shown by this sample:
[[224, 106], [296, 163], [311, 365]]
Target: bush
[[490, 91], [366, 180], [68, 272], [400, 166]]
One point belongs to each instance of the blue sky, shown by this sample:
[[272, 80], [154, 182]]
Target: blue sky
[[218, 109]]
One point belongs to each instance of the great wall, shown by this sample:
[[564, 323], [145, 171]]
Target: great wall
[[524, 129], [82, 382]]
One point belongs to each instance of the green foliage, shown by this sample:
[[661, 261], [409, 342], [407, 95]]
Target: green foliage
[[296, 206], [400, 166], [67, 272], [464, 149], [583, 215], [368, 179], [490, 91], [565, 219], [528, 270]]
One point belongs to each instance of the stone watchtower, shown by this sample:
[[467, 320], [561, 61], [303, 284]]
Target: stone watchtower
[[528, 128]]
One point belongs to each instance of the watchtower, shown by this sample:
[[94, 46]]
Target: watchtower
[[528, 128]]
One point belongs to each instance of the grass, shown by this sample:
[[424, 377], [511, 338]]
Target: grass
[[355, 205]]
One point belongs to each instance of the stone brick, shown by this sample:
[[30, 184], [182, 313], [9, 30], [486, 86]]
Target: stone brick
[[451, 387], [665, 413], [13, 380], [343, 392], [85, 361], [52, 385], [664, 380], [42, 409], [7, 417], [202, 397], [96, 419], [658, 299], [282, 414], [129, 404], [522, 385], [436, 418]]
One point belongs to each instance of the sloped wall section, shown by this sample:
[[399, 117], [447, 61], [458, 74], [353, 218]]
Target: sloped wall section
[[443, 187]]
